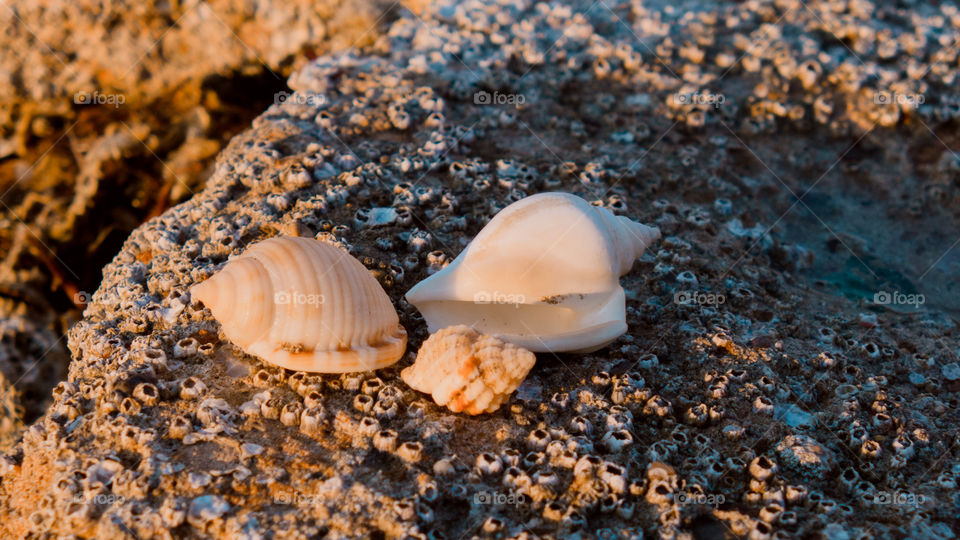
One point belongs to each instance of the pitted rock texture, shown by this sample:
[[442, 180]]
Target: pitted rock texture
[[751, 395], [33, 360], [110, 112]]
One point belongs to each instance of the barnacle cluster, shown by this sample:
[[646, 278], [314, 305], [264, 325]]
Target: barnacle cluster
[[110, 114], [730, 406]]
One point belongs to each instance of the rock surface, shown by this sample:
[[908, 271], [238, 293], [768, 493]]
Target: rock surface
[[32, 360], [759, 298], [110, 112]]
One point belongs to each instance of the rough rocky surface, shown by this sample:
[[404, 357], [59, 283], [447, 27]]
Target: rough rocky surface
[[778, 379], [162, 83], [31, 356], [111, 112]]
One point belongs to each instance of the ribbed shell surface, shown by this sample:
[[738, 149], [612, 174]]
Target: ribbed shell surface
[[305, 305], [468, 371]]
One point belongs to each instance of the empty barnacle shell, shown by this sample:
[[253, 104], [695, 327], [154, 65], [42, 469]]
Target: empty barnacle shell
[[468, 371], [543, 274], [306, 306]]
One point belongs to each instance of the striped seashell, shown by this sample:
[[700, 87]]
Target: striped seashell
[[468, 371], [305, 305]]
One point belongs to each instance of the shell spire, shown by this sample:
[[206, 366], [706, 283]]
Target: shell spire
[[242, 283], [305, 305], [632, 239]]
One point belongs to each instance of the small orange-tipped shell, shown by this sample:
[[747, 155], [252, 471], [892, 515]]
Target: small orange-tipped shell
[[305, 305], [468, 371]]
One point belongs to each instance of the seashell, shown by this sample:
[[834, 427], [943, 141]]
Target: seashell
[[305, 305], [543, 274], [468, 371]]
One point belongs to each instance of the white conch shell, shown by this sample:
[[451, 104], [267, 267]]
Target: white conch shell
[[305, 305], [468, 371], [543, 274]]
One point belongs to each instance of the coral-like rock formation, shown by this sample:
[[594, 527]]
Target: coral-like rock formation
[[111, 112], [758, 317]]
